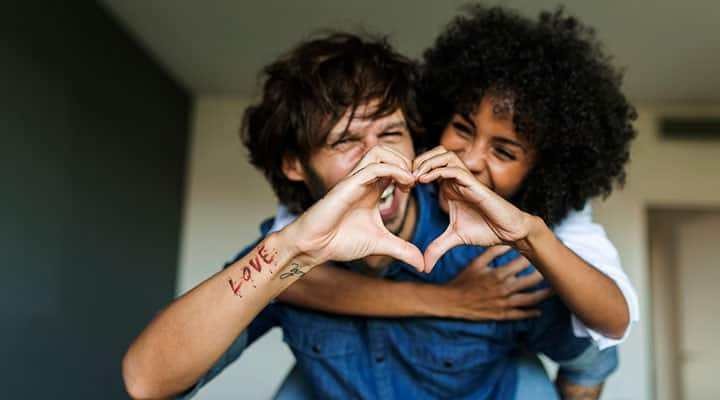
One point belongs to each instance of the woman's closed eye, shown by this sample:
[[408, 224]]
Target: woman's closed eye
[[462, 129], [504, 153]]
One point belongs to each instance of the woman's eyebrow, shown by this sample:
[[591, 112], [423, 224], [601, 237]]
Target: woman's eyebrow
[[510, 142], [468, 120]]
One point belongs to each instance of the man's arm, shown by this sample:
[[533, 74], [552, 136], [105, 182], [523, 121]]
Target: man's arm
[[185, 339]]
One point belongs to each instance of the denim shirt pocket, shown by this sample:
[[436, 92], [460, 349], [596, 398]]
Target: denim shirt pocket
[[330, 351], [326, 343], [459, 363]]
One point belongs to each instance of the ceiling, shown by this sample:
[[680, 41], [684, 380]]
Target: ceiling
[[670, 49]]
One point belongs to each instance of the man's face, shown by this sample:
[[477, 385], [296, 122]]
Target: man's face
[[346, 145]]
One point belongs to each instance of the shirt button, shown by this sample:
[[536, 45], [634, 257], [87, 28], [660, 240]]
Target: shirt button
[[379, 358], [316, 348], [447, 364]]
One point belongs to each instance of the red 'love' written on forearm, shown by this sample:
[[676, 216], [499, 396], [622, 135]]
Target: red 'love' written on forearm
[[256, 263]]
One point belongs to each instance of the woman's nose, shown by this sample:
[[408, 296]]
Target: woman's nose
[[475, 160]]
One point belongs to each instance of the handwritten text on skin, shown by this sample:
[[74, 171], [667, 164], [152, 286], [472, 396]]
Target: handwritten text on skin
[[256, 263]]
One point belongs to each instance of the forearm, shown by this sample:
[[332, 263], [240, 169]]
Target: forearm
[[589, 294], [185, 339], [340, 291]]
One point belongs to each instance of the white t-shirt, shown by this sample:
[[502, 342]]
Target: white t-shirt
[[589, 241]]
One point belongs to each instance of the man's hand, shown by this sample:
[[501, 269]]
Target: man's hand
[[346, 224], [481, 293], [478, 216]]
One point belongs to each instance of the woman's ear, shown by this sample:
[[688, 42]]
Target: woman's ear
[[293, 169]]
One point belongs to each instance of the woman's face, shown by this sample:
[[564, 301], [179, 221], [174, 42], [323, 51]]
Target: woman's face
[[490, 148]]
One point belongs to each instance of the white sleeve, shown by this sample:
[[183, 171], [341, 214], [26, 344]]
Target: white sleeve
[[282, 218], [589, 241]]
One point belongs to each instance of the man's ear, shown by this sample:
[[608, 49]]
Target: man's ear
[[293, 169]]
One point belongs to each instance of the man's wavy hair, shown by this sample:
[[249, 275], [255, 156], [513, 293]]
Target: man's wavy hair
[[565, 95], [308, 90]]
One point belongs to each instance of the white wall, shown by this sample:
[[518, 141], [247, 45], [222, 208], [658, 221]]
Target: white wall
[[226, 200]]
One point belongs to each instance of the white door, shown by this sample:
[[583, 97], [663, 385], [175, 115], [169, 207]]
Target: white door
[[698, 296]]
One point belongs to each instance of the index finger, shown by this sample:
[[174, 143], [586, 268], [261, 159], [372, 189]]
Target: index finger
[[373, 172], [513, 267], [427, 155], [382, 154]]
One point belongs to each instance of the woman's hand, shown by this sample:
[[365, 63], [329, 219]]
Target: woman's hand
[[480, 293], [478, 216]]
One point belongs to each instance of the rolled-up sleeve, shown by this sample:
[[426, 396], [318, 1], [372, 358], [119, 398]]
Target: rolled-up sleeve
[[590, 242]]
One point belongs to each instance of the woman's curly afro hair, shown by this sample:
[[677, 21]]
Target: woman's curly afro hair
[[565, 96]]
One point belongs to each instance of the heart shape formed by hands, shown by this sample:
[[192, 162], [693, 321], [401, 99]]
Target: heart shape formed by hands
[[477, 215], [347, 224]]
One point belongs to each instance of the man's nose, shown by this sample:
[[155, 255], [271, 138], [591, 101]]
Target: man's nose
[[370, 142]]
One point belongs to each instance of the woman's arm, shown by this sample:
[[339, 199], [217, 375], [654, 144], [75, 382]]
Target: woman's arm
[[477, 293], [479, 216], [587, 292]]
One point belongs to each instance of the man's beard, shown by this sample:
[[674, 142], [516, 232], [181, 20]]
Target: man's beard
[[317, 190], [314, 183]]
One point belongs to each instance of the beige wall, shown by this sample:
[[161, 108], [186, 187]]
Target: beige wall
[[697, 280], [661, 173], [662, 264], [226, 200]]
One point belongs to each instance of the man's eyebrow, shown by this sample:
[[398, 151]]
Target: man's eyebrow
[[394, 125], [340, 135]]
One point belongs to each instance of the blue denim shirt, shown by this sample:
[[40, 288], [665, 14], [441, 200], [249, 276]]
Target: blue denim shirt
[[414, 358]]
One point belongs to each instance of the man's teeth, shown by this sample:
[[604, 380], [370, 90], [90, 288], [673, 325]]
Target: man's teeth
[[386, 199], [388, 191]]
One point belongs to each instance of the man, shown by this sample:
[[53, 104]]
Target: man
[[333, 109]]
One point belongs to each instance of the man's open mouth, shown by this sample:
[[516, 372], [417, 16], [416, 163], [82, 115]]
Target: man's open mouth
[[388, 202]]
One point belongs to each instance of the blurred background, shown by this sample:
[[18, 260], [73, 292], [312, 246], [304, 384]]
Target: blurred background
[[125, 183]]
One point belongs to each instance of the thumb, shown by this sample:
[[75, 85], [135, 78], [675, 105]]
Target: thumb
[[441, 245], [393, 246]]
